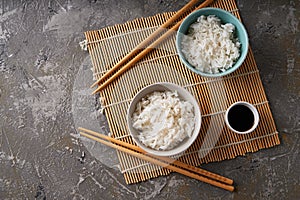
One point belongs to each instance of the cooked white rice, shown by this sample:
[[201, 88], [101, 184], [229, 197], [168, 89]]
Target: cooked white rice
[[211, 46], [163, 120]]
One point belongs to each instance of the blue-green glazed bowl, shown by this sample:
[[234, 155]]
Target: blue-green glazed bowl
[[226, 17]]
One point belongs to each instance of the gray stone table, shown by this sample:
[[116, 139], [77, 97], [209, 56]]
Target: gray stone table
[[45, 96]]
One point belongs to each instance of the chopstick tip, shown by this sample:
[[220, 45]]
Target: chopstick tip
[[94, 84], [94, 92], [97, 90]]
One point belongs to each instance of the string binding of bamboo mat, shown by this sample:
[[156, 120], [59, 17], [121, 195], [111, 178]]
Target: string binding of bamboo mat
[[215, 142]]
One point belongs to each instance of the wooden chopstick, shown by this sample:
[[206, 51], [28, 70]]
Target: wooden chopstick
[[167, 159], [146, 42], [141, 54], [166, 162], [162, 164]]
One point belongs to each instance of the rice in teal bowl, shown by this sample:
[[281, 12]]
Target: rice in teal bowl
[[212, 42]]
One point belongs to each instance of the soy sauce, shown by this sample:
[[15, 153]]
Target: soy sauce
[[240, 118]]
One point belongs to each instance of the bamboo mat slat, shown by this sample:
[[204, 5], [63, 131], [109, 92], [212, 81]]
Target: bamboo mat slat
[[215, 142]]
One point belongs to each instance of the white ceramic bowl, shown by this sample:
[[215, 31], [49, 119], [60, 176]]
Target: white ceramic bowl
[[251, 108], [185, 95]]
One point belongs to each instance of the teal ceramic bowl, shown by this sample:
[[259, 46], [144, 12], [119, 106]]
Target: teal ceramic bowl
[[226, 17]]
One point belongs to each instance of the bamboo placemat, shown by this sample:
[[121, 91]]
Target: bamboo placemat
[[215, 142]]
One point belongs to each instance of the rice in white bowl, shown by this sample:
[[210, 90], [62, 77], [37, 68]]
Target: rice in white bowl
[[163, 120], [211, 46]]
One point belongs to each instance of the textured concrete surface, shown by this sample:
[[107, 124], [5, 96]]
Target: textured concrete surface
[[44, 97]]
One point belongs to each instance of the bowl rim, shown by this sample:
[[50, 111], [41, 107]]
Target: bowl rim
[[240, 60], [147, 90]]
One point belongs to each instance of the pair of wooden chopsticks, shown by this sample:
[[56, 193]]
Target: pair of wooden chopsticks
[[145, 47], [167, 162]]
